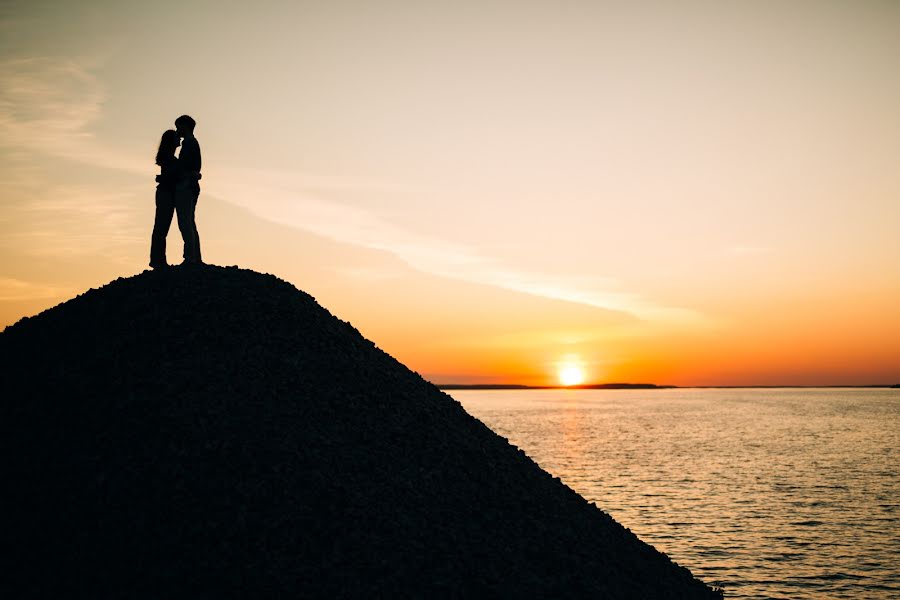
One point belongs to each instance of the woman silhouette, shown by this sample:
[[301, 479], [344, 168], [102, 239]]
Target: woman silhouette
[[165, 196]]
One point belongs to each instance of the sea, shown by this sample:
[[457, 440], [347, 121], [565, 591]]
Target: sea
[[768, 493]]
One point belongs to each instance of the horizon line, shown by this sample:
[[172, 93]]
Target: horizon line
[[645, 386]]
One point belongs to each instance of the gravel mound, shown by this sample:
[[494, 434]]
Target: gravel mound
[[211, 432]]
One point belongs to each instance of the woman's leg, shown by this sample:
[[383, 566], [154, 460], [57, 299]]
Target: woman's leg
[[165, 206]]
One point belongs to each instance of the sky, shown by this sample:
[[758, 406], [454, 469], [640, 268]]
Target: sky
[[690, 193]]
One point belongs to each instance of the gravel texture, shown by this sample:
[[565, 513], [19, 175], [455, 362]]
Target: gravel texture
[[213, 432]]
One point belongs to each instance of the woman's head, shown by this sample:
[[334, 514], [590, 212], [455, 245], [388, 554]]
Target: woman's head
[[167, 145]]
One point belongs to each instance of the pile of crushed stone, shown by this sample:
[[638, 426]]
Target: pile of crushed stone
[[212, 431]]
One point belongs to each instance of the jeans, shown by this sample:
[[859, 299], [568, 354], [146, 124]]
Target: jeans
[[165, 207], [181, 200], [186, 195]]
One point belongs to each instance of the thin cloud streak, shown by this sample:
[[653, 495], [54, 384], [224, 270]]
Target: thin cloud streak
[[73, 221], [47, 104], [288, 203], [47, 101], [17, 290]]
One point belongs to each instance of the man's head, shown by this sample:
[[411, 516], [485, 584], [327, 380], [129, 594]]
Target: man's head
[[184, 125]]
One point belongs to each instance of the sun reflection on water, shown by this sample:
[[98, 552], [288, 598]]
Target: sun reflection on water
[[772, 493]]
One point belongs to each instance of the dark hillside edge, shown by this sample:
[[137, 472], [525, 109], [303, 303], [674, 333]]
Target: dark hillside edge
[[208, 432]]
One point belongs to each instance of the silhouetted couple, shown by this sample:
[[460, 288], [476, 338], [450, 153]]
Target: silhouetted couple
[[177, 190]]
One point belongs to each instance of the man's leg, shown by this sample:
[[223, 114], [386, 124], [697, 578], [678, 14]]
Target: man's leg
[[165, 206], [197, 253], [185, 200]]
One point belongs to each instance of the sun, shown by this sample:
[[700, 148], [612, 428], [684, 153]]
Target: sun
[[570, 374]]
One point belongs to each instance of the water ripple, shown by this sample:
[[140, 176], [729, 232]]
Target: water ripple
[[769, 493]]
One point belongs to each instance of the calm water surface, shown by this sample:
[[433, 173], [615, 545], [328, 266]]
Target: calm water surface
[[769, 493]]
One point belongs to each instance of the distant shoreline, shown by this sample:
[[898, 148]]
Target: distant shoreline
[[648, 386], [513, 386]]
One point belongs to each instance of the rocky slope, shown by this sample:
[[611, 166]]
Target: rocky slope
[[211, 431]]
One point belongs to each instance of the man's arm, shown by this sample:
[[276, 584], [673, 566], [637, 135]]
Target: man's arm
[[190, 157], [199, 159]]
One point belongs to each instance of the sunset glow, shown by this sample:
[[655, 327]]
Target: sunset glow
[[700, 193]]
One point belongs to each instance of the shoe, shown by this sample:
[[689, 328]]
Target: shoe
[[158, 265]]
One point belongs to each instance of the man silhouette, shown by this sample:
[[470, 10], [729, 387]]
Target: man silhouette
[[187, 189]]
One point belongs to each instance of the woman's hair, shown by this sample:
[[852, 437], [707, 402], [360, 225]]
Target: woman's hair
[[167, 145]]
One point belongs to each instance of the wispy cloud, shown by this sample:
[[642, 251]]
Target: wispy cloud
[[287, 199], [73, 221], [47, 105], [19, 290], [47, 101]]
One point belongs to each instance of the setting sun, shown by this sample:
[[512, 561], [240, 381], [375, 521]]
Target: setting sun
[[570, 374]]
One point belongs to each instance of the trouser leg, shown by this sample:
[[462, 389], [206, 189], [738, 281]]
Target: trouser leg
[[165, 206], [198, 255], [185, 202]]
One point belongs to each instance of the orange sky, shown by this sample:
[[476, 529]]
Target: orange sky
[[700, 194]]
